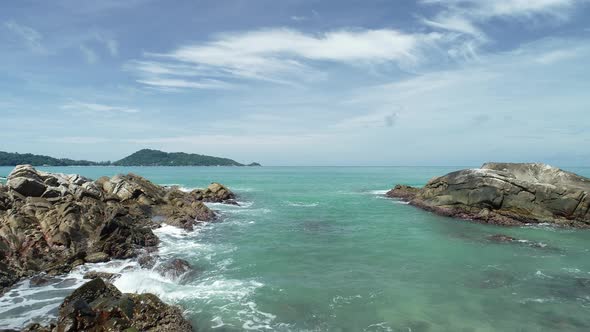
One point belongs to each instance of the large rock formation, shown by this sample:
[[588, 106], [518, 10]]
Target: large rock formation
[[100, 306], [507, 194], [53, 222]]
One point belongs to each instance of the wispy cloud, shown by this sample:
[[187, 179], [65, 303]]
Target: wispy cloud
[[110, 44], [31, 37], [464, 15], [89, 54], [97, 108], [174, 84], [371, 120], [299, 18], [556, 56], [282, 55]]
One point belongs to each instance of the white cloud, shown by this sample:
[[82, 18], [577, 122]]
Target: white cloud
[[89, 54], [556, 56], [168, 84], [30, 36], [283, 55], [109, 43], [97, 108], [232, 140], [299, 18], [464, 15], [371, 120]]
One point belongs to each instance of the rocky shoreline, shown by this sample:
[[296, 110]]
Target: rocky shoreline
[[51, 223], [505, 194]]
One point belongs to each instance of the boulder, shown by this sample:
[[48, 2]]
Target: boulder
[[174, 268], [106, 276], [97, 257], [99, 306], [506, 194], [215, 193]]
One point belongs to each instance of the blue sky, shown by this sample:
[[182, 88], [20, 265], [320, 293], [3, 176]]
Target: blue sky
[[424, 82]]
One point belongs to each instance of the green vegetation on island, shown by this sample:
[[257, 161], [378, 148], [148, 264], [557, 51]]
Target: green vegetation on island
[[13, 159], [145, 157]]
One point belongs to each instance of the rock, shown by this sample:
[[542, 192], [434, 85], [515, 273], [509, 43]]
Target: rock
[[403, 192], [52, 222], [106, 276], [174, 268], [99, 306], [97, 257], [506, 194], [147, 261], [501, 238], [215, 193], [25, 180]]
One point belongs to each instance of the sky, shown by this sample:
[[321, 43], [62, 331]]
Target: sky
[[292, 82]]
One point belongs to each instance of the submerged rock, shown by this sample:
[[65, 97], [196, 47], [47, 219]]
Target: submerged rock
[[506, 194], [99, 306], [53, 222], [102, 275], [174, 268]]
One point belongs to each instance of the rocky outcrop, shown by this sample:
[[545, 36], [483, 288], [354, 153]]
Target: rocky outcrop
[[506, 194], [216, 193], [53, 222], [99, 306]]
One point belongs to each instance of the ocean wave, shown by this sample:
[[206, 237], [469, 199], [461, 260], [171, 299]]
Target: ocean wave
[[380, 192], [300, 204], [223, 206]]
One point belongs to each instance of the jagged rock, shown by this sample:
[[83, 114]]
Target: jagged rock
[[106, 276], [174, 268], [215, 193], [99, 306], [97, 257], [26, 181], [403, 192], [147, 261], [52, 222], [506, 194]]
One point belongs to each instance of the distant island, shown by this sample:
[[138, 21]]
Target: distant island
[[144, 157]]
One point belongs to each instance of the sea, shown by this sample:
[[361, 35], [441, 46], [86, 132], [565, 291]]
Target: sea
[[322, 249]]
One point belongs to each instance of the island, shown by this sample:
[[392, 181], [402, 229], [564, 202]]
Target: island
[[144, 157], [505, 194]]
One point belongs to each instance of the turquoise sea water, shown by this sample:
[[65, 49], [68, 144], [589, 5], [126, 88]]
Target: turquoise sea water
[[321, 249]]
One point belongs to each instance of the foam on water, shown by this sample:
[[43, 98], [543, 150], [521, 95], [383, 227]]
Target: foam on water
[[25, 304], [301, 204]]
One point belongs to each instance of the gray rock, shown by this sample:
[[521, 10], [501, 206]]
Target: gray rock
[[507, 194], [97, 257], [51, 222], [26, 186], [106, 276]]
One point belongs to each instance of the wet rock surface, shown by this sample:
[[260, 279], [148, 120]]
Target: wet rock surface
[[51, 222], [100, 306], [506, 194]]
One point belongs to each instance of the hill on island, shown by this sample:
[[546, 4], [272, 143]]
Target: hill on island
[[13, 159], [145, 157]]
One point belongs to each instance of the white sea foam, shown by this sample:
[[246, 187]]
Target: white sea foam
[[300, 204], [379, 192], [25, 304]]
